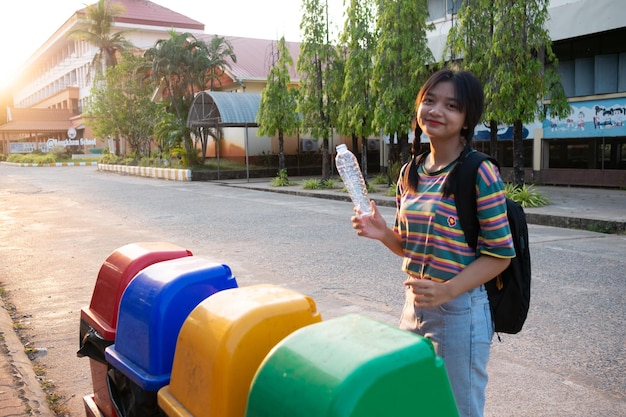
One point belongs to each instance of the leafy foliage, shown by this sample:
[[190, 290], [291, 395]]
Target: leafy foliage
[[278, 108], [400, 66], [505, 43], [356, 108], [282, 180], [181, 66], [318, 64], [526, 196], [120, 105], [315, 184], [100, 20]]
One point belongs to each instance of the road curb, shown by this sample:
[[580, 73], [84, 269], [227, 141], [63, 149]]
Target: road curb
[[30, 392]]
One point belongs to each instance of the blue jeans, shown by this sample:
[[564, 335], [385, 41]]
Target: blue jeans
[[461, 331]]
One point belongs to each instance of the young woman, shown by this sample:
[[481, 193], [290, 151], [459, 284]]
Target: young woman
[[445, 297]]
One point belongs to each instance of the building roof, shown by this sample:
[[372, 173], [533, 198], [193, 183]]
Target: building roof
[[144, 12], [224, 109], [20, 120], [255, 57]]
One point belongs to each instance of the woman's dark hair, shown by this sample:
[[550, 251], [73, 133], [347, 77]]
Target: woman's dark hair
[[470, 98]]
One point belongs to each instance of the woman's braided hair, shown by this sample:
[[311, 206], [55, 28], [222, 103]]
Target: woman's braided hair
[[470, 98]]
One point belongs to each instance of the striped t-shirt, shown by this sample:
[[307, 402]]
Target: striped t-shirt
[[433, 241]]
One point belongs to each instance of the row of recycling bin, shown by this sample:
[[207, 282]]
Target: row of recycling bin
[[171, 334]]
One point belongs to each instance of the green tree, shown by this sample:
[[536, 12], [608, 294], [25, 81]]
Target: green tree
[[278, 108], [217, 52], [316, 65], [100, 21], [120, 105], [183, 65], [179, 65], [400, 67], [520, 72], [356, 108], [467, 41]]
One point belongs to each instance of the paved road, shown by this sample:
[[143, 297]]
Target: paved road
[[59, 224]]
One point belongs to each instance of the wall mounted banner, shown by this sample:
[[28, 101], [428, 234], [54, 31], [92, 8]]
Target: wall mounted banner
[[594, 118]]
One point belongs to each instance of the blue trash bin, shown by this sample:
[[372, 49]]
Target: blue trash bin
[[152, 311]]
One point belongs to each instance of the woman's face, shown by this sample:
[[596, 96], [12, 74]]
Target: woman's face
[[438, 113]]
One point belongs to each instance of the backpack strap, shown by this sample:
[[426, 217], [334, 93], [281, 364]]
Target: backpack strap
[[465, 194]]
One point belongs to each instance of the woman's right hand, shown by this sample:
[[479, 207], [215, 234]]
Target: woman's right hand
[[373, 226]]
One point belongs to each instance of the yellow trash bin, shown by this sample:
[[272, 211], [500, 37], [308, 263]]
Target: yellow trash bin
[[222, 343]]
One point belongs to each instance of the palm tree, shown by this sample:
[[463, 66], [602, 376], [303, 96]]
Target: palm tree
[[217, 51], [101, 17]]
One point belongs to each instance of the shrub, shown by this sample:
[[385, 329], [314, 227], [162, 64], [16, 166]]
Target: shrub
[[282, 180], [108, 158], [15, 158], [60, 152], [45, 159], [315, 184], [526, 196], [380, 179]]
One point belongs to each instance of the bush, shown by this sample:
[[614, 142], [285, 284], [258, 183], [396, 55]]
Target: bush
[[282, 180], [315, 184], [526, 196], [381, 179], [60, 152], [16, 158]]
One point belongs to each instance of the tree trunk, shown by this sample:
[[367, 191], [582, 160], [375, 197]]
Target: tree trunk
[[493, 139], [518, 154], [281, 151], [325, 160], [403, 141], [363, 157]]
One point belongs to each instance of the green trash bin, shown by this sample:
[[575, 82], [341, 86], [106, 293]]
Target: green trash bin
[[351, 366]]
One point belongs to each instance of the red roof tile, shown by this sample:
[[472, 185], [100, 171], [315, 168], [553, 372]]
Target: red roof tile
[[254, 56], [145, 12]]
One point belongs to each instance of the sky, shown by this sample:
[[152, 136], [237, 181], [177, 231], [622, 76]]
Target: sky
[[26, 24]]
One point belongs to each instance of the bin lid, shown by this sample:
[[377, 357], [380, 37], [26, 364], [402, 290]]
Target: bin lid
[[223, 342], [351, 366], [152, 310], [116, 272]]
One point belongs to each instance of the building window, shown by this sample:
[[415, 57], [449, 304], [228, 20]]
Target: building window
[[593, 64], [440, 9]]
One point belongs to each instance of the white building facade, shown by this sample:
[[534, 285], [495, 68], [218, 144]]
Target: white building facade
[[589, 146]]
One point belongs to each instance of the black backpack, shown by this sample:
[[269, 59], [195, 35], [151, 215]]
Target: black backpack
[[509, 292]]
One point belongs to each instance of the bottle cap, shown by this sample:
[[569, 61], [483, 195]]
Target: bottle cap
[[341, 147]]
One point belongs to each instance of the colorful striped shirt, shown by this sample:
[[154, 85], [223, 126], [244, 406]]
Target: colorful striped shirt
[[433, 241]]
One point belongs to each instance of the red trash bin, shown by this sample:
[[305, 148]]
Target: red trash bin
[[98, 321]]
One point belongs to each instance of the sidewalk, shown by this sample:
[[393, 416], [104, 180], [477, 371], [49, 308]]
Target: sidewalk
[[601, 210], [593, 209]]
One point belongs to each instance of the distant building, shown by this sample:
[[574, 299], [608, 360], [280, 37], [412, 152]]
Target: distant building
[[51, 91], [589, 146]]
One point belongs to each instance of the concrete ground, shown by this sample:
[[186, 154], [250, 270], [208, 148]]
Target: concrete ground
[[598, 210]]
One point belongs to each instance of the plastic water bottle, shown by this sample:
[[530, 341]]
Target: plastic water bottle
[[350, 172]]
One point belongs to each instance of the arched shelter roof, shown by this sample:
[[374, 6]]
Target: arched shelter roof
[[224, 109]]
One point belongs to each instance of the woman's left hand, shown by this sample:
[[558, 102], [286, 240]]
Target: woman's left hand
[[428, 293]]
